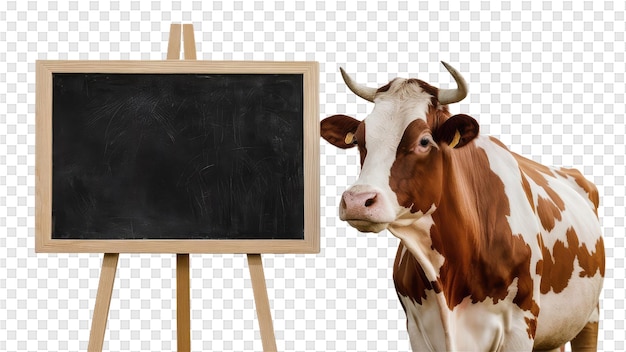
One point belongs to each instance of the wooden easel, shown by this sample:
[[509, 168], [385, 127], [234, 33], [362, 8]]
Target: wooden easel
[[109, 262]]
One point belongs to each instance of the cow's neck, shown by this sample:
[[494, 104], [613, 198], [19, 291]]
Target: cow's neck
[[452, 245], [431, 242], [450, 234]]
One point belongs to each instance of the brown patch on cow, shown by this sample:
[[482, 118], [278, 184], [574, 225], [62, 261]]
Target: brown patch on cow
[[557, 266], [548, 213], [532, 327], [532, 323], [531, 165], [493, 257], [528, 191], [360, 139], [471, 231], [409, 277], [436, 285], [537, 173], [437, 115], [413, 177], [586, 185], [591, 262]]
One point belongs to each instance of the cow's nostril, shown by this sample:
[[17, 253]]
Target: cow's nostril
[[360, 200]]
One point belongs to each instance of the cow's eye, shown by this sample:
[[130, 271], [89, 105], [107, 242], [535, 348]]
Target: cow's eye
[[424, 145]]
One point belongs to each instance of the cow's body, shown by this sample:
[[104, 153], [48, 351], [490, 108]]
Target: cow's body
[[497, 253], [515, 272]]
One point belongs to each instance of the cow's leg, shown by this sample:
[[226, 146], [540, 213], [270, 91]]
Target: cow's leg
[[587, 339]]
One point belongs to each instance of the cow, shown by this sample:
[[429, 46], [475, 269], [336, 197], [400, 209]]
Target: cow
[[497, 252]]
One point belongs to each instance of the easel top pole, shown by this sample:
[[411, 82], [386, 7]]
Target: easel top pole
[[183, 316], [189, 42], [174, 44]]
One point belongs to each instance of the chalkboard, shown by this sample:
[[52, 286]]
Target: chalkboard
[[212, 157]]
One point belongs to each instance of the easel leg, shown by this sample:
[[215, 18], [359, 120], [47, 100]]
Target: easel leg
[[262, 302], [103, 302], [183, 307]]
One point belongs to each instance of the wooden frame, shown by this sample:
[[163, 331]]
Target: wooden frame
[[43, 215]]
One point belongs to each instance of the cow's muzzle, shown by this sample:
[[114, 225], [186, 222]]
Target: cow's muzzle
[[364, 209]]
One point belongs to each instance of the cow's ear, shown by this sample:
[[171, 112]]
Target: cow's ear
[[339, 130], [457, 131]]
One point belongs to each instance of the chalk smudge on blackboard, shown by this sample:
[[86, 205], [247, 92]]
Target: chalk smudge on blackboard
[[177, 156]]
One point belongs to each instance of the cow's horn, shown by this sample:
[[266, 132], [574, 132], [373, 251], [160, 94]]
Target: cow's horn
[[361, 90], [450, 96]]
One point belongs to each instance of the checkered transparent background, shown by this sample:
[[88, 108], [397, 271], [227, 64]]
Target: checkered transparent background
[[547, 78]]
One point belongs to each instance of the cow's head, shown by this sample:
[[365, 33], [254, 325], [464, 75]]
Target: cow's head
[[402, 144]]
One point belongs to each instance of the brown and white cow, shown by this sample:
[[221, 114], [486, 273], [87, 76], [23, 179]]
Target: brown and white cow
[[497, 252]]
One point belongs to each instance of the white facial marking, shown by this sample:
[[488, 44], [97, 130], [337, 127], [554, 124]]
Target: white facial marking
[[384, 128]]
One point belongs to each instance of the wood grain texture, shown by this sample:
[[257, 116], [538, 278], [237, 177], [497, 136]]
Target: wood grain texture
[[103, 301], [183, 307], [173, 45], [261, 300], [44, 241], [182, 66], [43, 156], [189, 42]]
